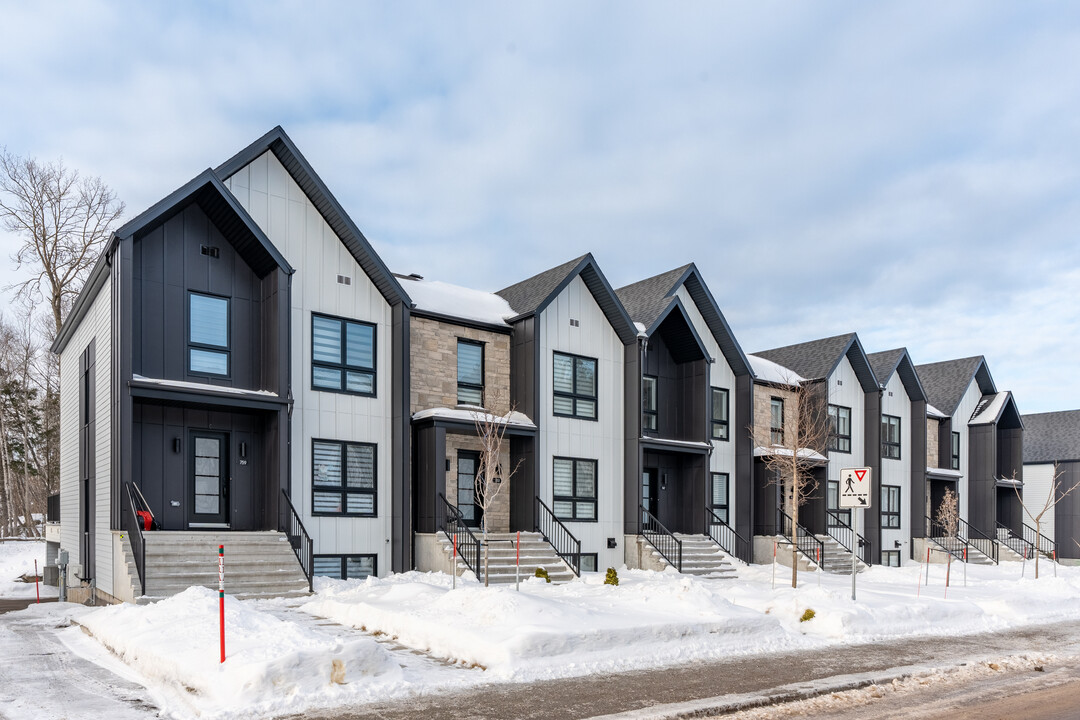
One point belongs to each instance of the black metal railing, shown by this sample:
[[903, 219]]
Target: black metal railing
[[52, 508], [558, 536], [807, 543], [299, 539], [1040, 542], [133, 526], [468, 545], [978, 540], [726, 537], [1020, 546], [665, 542], [937, 534], [846, 537]]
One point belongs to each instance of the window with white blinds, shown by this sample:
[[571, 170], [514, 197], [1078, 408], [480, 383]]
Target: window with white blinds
[[343, 478], [574, 491]]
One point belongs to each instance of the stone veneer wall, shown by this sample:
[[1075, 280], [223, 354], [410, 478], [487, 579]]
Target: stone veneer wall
[[498, 515], [932, 427], [433, 357], [763, 395]]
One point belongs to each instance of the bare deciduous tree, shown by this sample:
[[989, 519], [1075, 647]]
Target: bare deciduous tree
[[1038, 512], [62, 218], [948, 513]]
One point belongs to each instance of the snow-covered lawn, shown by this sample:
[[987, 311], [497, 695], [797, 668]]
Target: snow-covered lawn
[[16, 560]]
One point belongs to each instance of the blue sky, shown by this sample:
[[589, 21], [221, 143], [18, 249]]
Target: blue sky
[[905, 170]]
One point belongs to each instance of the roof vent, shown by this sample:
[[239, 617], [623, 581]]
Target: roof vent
[[210, 250], [344, 280]]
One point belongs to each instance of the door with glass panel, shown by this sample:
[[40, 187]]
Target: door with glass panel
[[650, 493], [208, 504], [468, 464]]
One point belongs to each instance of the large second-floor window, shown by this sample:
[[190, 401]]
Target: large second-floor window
[[470, 372], [776, 421], [208, 334], [839, 428], [890, 437], [343, 478], [342, 355], [648, 403], [955, 464], [574, 491], [719, 414], [574, 381]]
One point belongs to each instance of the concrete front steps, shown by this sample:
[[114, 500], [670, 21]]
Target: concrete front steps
[[257, 564], [836, 559], [956, 546], [502, 553], [701, 556]]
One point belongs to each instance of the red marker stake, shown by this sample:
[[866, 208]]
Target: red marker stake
[[453, 573], [37, 589], [221, 596]]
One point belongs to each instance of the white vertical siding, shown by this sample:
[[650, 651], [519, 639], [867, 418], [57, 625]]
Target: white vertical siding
[[960, 419], [722, 376], [1037, 482], [895, 401], [96, 325], [845, 390], [602, 439], [298, 230]]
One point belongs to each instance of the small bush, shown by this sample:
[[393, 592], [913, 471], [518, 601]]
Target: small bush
[[612, 577], [542, 573], [808, 615]]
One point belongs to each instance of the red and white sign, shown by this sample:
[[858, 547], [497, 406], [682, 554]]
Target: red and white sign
[[854, 488]]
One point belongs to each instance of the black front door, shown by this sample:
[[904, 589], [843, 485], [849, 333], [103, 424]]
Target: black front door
[[208, 503], [650, 492], [468, 463]]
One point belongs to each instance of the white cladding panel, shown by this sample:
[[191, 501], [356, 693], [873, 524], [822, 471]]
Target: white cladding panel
[[96, 325], [1037, 482], [298, 230], [600, 440], [722, 376], [845, 390], [895, 401], [960, 418]]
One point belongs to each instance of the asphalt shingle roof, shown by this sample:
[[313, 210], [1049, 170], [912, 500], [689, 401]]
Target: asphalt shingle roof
[[647, 299], [526, 296], [884, 363], [1052, 436], [946, 382], [813, 360]]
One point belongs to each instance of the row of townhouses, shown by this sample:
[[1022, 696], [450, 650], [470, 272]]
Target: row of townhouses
[[243, 368]]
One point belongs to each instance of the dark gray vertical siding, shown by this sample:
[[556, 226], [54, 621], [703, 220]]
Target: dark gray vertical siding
[[766, 496], [631, 432], [401, 551], [872, 460], [524, 395], [121, 423], [1010, 463], [918, 469], [982, 484], [1067, 513], [430, 469], [742, 514], [681, 394]]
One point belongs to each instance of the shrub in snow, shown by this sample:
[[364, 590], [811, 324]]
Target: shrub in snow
[[612, 577], [542, 573], [808, 615]]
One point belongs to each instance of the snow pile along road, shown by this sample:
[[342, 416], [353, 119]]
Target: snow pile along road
[[16, 560], [272, 665]]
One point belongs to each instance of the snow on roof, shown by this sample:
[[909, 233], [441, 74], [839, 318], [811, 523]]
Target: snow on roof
[[640, 329], [768, 371], [988, 411], [184, 385], [467, 413], [457, 301], [945, 472], [807, 453], [932, 411], [679, 443]]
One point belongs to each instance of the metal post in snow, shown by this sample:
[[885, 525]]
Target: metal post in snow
[[918, 588], [820, 571], [517, 563], [1055, 562], [1023, 565], [453, 570], [854, 547], [221, 597], [927, 567], [948, 571], [774, 565], [37, 589], [965, 567]]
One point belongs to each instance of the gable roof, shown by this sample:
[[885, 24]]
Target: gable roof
[[532, 295], [946, 382], [992, 408], [279, 143], [1052, 436], [679, 334], [817, 359], [885, 363], [650, 299]]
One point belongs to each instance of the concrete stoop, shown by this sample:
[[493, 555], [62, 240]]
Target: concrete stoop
[[536, 552], [701, 557], [836, 559]]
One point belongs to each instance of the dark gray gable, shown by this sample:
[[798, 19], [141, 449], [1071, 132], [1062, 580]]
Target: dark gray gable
[[1052, 437], [648, 299], [946, 382], [817, 359], [533, 295], [686, 344], [884, 364], [277, 142]]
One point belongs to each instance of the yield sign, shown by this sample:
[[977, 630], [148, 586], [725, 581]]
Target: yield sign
[[854, 488]]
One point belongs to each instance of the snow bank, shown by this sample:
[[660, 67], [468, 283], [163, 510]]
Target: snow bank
[[272, 665], [16, 560]]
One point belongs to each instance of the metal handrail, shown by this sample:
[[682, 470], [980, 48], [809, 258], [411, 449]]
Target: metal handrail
[[978, 540], [806, 542], [132, 525], [300, 541], [846, 537], [940, 540], [558, 536], [1037, 540], [468, 545], [665, 542], [729, 540], [1014, 542]]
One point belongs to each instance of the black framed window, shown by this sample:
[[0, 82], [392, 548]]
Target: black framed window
[[343, 478], [718, 498], [719, 417], [839, 428], [470, 372], [346, 567], [955, 465], [890, 558], [890, 437], [342, 355], [589, 562], [890, 506], [776, 421], [574, 381], [832, 502], [208, 334], [648, 402], [574, 492]]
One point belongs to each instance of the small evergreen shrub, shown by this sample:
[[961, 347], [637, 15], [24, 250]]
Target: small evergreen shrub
[[542, 573], [612, 577], [808, 615]]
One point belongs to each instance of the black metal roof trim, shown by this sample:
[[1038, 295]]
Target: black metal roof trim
[[279, 143], [946, 382], [885, 363]]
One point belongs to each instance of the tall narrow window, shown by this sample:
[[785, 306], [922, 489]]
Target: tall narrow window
[[890, 506], [837, 517], [470, 372], [648, 403], [574, 381], [343, 478], [574, 491], [719, 495], [719, 414], [208, 334], [776, 419], [342, 355], [839, 428], [956, 451], [890, 437]]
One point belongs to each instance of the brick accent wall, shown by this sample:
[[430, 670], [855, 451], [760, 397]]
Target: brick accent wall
[[498, 515], [433, 358]]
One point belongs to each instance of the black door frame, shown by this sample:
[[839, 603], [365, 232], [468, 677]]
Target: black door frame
[[478, 510], [650, 477], [221, 519]]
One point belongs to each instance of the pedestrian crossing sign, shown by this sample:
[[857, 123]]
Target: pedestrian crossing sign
[[854, 488]]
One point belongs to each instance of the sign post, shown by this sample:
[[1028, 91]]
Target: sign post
[[221, 596], [855, 495]]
